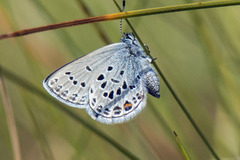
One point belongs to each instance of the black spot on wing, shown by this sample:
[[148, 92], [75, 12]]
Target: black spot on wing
[[83, 84], [110, 68], [88, 68], [103, 85], [67, 73], [100, 77], [75, 82], [105, 94], [124, 86], [111, 95], [121, 73], [114, 80], [119, 91]]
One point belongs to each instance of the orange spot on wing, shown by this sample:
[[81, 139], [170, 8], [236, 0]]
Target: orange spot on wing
[[127, 106]]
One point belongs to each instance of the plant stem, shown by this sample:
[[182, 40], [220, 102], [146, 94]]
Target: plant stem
[[121, 15]]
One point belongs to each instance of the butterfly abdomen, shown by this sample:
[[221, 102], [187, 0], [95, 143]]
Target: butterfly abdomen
[[152, 84]]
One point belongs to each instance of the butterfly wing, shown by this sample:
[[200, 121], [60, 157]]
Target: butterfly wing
[[118, 93], [111, 82], [70, 84]]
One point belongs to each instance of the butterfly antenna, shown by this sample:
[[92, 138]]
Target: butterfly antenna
[[124, 3]]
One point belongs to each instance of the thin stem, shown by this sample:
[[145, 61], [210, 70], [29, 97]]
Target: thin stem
[[121, 15], [181, 147], [180, 103], [183, 107], [10, 119]]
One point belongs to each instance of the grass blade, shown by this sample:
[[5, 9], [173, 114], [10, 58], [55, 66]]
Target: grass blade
[[121, 15], [181, 147], [176, 97], [10, 119]]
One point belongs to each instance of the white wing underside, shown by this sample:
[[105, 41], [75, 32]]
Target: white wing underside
[[106, 82]]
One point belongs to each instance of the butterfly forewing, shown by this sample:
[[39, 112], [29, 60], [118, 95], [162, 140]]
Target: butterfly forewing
[[70, 84]]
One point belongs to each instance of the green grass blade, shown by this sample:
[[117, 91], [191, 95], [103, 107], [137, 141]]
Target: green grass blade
[[137, 13], [13, 132], [176, 97], [181, 147]]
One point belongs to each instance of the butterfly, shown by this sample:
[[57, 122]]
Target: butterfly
[[111, 83]]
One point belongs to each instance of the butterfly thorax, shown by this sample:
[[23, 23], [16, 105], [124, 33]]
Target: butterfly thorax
[[134, 47]]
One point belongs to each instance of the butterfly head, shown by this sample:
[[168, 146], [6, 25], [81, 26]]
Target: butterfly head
[[134, 46], [130, 39]]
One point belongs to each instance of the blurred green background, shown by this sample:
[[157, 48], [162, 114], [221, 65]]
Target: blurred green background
[[198, 51]]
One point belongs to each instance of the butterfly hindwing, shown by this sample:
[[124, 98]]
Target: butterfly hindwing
[[118, 93]]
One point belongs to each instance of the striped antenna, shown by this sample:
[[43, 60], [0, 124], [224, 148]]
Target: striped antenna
[[124, 3]]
